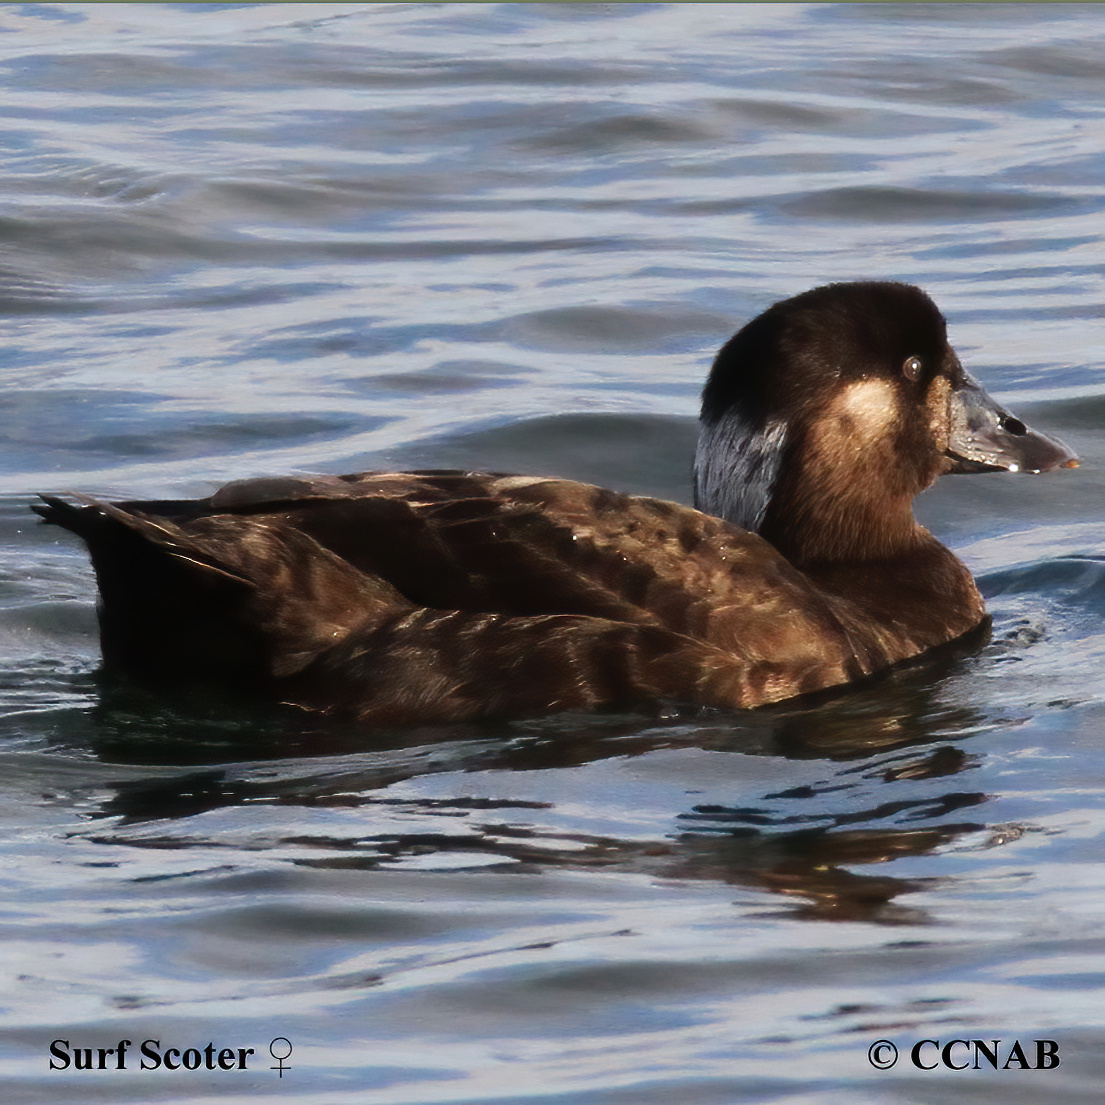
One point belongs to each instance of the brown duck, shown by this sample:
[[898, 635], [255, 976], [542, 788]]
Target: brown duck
[[398, 598]]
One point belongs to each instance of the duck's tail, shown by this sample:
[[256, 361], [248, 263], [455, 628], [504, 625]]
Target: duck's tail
[[169, 609], [111, 529], [223, 599], [60, 513]]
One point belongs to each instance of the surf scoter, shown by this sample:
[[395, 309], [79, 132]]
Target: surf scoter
[[399, 598]]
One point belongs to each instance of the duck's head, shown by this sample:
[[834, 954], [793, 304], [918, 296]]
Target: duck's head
[[825, 416]]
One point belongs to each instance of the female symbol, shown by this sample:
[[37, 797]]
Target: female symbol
[[281, 1040]]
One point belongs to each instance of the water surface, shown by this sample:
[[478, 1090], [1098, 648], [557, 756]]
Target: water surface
[[253, 239]]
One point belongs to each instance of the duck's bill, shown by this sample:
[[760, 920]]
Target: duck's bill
[[985, 437]]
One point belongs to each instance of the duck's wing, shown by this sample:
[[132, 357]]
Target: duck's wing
[[527, 545]]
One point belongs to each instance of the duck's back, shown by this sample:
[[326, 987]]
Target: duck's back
[[429, 595]]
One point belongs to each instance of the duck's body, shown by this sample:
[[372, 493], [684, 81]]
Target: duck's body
[[435, 596]]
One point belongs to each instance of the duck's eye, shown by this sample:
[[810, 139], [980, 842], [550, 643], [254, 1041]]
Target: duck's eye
[[911, 370]]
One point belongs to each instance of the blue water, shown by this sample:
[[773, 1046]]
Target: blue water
[[239, 240]]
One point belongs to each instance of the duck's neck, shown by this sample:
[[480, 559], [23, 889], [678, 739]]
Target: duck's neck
[[842, 496], [844, 528], [858, 541], [841, 512], [901, 606]]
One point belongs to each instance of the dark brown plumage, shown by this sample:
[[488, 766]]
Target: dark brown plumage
[[398, 598]]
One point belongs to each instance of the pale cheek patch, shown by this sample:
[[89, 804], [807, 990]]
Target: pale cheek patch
[[852, 441], [872, 403], [939, 411], [865, 412]]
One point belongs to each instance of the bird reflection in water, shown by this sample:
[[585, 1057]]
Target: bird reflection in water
[[812, 843]]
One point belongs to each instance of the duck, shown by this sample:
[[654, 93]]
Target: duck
[[440, 596]]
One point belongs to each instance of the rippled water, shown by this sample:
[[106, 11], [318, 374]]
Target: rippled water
[[240, 240]]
